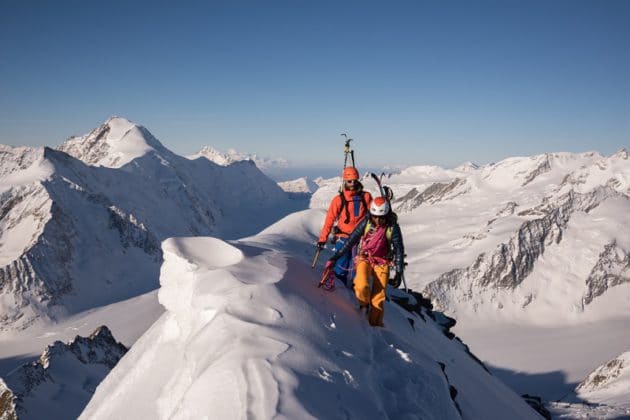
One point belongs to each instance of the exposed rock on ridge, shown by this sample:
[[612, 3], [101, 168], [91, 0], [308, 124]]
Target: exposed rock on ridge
[[612, 269], [75, 368], [432, 194]]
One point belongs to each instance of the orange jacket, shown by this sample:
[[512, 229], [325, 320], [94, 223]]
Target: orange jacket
[[335, 211]]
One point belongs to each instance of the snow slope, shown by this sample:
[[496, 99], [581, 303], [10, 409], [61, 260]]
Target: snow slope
[[246, 334]]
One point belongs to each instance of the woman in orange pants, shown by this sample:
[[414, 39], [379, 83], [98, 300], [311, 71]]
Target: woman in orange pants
[[380, 244]]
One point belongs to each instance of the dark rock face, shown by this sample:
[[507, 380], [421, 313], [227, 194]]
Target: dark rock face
[[90, 148], [63, 365], [510, 263], [611, 269], [544, 166], [7, 403], [537, 404], [432, 194]]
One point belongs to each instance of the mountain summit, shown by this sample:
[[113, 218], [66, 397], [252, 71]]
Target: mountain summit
[[114, 144]]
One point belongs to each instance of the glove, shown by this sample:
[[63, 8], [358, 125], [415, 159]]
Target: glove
[[395, 282], [321, 245]]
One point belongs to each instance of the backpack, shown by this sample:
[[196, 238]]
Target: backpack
[[392, 219], [344, 202]]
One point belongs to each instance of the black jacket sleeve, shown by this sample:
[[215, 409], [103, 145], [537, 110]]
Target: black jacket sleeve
[[399, 249], [352, 240]]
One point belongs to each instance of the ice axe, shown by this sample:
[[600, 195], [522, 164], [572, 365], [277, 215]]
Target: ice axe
[[319, 249], [347, 151]]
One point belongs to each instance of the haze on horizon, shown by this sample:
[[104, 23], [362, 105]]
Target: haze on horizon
[[411, 82]]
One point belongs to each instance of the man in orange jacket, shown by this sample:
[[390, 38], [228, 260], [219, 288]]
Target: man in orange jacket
[[347, 208]]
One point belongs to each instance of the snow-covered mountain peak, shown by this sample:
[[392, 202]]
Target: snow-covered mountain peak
[[300, 185], [218, 157], [621, 154], [115, 143], [467, 166], [233, 155]]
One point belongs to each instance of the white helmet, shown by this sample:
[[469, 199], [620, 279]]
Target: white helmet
[[379, 206]]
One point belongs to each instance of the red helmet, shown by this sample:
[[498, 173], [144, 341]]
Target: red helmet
[[379, 206], [350, 173]]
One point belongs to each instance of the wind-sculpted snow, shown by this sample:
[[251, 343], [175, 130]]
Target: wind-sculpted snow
[[60, 383], [247, 334]]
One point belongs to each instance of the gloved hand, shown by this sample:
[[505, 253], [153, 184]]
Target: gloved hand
[[395, 282], [321, 245]]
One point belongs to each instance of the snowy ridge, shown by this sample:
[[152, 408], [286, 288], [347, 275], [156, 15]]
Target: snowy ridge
[[61, 211], [300, 185], [247, 333], [62, 381], [232, 156], [609, 383]]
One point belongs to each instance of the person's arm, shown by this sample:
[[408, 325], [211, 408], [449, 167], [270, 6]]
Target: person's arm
[[352, 240], [331, 216]]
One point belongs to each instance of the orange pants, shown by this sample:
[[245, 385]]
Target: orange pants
[[376, 296]]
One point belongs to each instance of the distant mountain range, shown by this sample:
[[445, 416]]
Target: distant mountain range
[[81, 225]]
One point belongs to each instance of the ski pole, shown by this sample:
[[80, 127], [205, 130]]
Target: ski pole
[[405, 283], [316, 257]]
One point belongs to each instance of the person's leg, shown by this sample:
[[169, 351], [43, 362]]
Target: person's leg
[[381, 275], [342, 264], [362, 282]]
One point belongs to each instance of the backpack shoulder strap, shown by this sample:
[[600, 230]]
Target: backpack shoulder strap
[[344, 206]]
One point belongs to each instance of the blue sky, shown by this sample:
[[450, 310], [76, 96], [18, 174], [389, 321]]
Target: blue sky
[[413, 82]]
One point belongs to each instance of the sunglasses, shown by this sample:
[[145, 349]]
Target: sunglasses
[[351, 181], [379, 217]]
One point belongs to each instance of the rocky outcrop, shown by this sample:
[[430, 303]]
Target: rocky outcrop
[[432, 194], [543, 167], [511, 262], [612, 268], [606, 374], [90, 148], [69, 370], [132, 232], [7, 403], [14, 159]]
